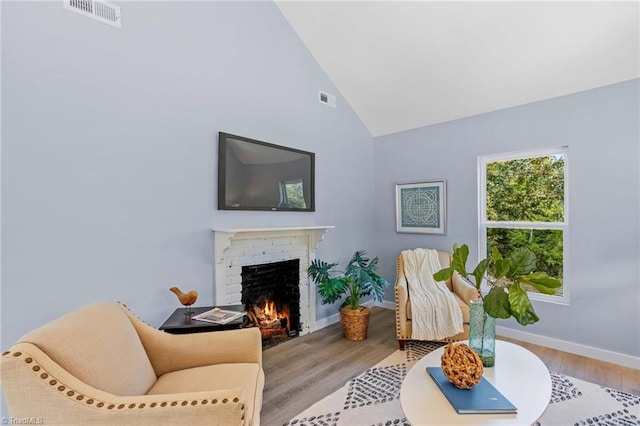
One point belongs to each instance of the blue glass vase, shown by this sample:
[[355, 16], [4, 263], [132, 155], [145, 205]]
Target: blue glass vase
[[482, 333]]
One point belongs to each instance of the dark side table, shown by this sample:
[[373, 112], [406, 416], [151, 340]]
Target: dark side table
[[180, 323]]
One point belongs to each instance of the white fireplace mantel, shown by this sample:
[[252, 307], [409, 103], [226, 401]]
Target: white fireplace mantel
[[223, 237], [237, 247]]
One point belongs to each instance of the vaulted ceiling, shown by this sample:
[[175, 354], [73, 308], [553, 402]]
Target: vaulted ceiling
[[407, 64]]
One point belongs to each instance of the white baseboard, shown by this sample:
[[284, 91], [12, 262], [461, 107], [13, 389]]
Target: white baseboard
[[550, 342], [574, 348], [386, 304], [326, 322]]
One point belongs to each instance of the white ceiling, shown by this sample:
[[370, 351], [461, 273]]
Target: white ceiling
[[402, 65]]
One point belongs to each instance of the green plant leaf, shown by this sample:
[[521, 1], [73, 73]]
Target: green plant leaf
[[366, 284], [542, 279], [377, 289], [459, 261], [542, 282], [527, 317], [373, 265], [496, 303], [522, 261], [501, 267], [332, 289], [521, 307], [495, 254], [443, 274], [319, 270], [359, 258], [480, 270], [356, 265]]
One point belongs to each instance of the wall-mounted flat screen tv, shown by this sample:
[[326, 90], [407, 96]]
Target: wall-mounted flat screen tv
[[256, 175]]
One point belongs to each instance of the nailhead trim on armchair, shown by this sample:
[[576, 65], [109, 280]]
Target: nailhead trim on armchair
[[70, 393]]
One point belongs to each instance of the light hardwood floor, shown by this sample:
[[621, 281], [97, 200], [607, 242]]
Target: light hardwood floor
[[304, 370]]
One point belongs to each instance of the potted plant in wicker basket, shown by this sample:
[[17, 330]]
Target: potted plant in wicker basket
[[358, 280], [507, 279]]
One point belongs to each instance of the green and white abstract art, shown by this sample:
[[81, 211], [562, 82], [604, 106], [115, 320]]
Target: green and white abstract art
[[421, 207]]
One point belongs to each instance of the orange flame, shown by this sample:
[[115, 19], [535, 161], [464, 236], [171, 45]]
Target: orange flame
[[271, 313], [270, 309]]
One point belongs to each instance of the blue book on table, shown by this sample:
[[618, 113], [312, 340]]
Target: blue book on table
[[483, 398]]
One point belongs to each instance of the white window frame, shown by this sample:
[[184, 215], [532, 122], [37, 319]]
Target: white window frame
[[484, 224], [284, 196]]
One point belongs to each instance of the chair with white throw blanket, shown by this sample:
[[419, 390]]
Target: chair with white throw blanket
[[426, 309]]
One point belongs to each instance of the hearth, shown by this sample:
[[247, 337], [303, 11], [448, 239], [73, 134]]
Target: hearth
[[271, 295], [239, 247]]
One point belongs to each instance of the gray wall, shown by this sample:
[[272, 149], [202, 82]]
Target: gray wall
[[601, 128], [109, 150]]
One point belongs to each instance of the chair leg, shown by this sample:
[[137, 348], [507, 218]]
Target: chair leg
[[401, 344]]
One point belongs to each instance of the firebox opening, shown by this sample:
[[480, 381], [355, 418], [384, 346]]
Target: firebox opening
[[271, 295]]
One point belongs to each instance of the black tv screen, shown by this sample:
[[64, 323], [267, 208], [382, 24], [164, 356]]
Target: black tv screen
[[256, 175]]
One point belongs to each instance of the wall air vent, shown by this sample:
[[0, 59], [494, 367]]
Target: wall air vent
[[99, 10], [327, 99]]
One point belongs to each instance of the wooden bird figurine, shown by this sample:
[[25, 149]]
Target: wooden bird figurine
[[187, 299]]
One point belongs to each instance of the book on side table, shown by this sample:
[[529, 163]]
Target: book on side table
[[218, 316], [483, 398]]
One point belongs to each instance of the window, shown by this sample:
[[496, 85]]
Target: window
[[292, 194], [524, 203]]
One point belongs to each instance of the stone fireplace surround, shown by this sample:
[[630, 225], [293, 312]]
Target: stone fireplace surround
[[235, 248]]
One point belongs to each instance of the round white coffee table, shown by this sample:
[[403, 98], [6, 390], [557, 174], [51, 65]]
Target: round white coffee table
[[518, 374]]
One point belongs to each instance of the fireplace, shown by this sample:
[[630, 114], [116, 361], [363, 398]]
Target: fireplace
[[235, 249], [271, 295]]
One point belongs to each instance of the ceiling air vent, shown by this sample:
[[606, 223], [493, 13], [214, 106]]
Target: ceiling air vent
[[327, 99], [99, 10]]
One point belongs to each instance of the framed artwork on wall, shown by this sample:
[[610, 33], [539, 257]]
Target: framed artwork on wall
[[421, 207]]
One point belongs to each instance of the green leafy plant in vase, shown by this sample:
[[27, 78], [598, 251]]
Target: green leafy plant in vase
[[358, 280], [506, 298]]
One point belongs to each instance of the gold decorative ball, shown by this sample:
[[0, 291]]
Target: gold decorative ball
[[461, 365]]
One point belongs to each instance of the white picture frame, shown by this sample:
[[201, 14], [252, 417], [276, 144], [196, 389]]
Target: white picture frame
[[421, 207]]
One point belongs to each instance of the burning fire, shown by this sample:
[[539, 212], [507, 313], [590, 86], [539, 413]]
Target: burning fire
[[270, 310], [272, 323]]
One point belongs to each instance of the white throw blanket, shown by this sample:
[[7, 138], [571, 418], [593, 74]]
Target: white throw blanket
[[434, 310]]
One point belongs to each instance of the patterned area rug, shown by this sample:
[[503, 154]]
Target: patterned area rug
[[373, 398]]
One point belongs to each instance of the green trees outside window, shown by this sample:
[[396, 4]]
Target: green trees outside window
[[524, 206], [526, 190]]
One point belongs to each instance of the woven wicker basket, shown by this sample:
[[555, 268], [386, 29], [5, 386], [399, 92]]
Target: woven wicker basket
[[355, 322]]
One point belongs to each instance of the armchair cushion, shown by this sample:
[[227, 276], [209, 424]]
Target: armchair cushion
[[245, 377], [98, 345]]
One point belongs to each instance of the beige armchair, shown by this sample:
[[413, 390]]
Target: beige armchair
[[462, 290], [102, 365]]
